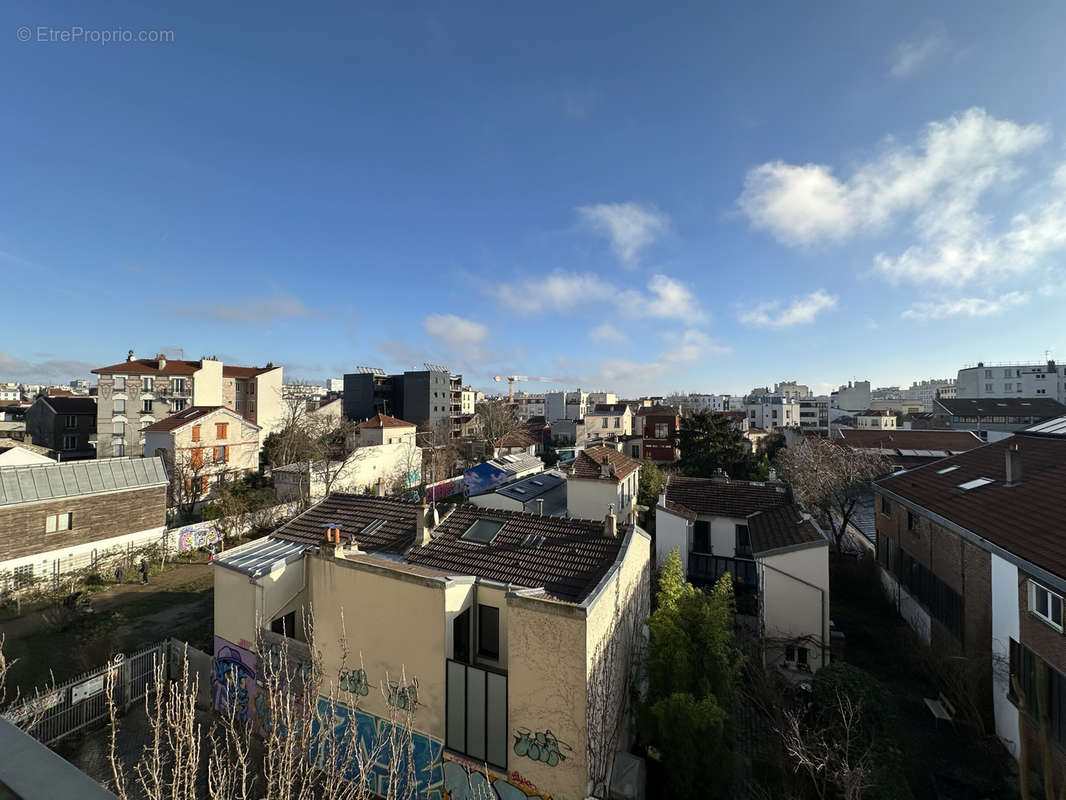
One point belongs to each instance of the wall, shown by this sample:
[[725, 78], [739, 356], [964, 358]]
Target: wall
[[1005, 626], [207, 384], [269, 412], [671, 532], [386, 461], [588, 498], [793, 608]]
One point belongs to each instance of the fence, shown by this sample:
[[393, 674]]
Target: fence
[[82, 702]]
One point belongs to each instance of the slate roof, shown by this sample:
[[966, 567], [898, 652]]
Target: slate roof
[[1037, 407], [532, 487], [72, 404], [658, 410], [352, 513], [588, 463], [608, 409], [722, 498], [567, 557], [951, 441], [784, 527], [33, 482], [1025, 519]]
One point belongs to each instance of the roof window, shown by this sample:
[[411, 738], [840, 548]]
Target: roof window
[[372, 526], [483, 531], [947, 469], [977, 483]]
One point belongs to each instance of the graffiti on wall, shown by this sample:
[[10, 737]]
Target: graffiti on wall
[[354, 681], [192, 537], [405, 697], [233, 683], [371, 734], [465, 780], [540, 746]]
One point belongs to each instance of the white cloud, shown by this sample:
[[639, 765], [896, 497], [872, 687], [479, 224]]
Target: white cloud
[[607, 333], [908, 56], [801, 311], [937, 184], [665, 298], [460, 334], [51, 370], [965, 307], [690, 345], [264, 310], [629, 226]]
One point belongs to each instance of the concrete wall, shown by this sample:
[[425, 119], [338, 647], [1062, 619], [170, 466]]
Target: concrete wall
[[795, 603], [1005, 626], [207, 384], [588, 498], [671, 533], [269, 409]]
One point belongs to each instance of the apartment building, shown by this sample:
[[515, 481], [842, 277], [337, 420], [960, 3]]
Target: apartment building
[[205, 444], [490, 626], [970, 552], [1011, 379], [65, 425], [139, 392], [777, 554], [814, 412], [605, 420], [703, 402], [566, 405], [61, 517], [657, 426], [855, 396], [772, 411], [875, 420], [527, 406], [431, 398], [599, 480], [994, 417], [925, 392]]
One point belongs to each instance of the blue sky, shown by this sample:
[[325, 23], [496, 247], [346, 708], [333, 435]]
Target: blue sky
[[614, 195]]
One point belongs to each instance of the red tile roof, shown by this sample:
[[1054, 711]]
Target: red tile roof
[[149, 366], [722, 498], [588, 463], [385, 421], [188, 416]]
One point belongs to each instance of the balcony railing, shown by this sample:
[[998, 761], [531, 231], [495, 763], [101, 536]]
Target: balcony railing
[[704, 568]]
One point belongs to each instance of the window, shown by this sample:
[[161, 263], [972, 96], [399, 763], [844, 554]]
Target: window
[[220, 429], [120, 383], [988, 373], [120, 406], [23, 575], [988, 387], [239, 405], [483, 531], [942, 602], [70, 441], [177, 385], [148, 384], [912, 522], [618, 422], [461, 637], [604, 422], [886, 506], [1025, 667], [222, 454], [476, 714], [662, 430], [743, 542], [118, 428], [251, 388], [797, 657], [488, 632], [285, 625], [118, 447], [196, 433], [57, 522], [701, 536], [1045, 604], [71, 421], [205, 484], [197, 457], [146, 406], [179, 403]]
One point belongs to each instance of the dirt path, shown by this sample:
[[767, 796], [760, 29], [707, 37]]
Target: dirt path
[[114, 596]]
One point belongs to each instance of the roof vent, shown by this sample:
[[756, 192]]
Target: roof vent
[[1014, 464]]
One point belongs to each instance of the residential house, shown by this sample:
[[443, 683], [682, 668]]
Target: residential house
[[599, 480], [772, 411], [528, 406], [875, 420], [517, 442], [489, 626], [65, 424], [568, 432], [1010, 379], [328, 411], [66, 516], [608, 420], [566, 405], [139, 392], [970, 553], [994, 418], [205, 444], [543, 493], [657, 426], [383, 429]]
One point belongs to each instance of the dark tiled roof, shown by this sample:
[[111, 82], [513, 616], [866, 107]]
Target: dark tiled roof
[[953, 441], [669, 411], [1025, 519], [150, 366], [1039, 407], [245, 372], [72, 405], [571, 558], [588, 463], [781, 527], [191, 414], [385, 421], [602, 409], [352, 513], [722, 498]]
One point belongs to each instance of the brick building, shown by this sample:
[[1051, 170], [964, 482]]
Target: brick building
[[971, 551], [658, 425]]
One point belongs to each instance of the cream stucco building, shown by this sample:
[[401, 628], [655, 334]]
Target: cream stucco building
[[601, 479], [500, 624]]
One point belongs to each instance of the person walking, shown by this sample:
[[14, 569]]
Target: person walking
[[120, 574], [144, 570]]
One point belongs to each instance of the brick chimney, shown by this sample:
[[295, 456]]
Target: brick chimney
[[610, 523], [331, 544], [1014, 464]]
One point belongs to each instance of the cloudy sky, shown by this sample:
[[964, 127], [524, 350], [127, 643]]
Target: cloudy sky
[[644, 197]]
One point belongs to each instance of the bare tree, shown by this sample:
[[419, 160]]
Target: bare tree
[[190, 472], [830, 477], [440, 457], [497, 420]]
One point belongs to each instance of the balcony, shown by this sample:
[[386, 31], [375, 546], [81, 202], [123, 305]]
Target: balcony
[[705, 568]]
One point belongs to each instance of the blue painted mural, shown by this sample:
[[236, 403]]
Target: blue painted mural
[[234, 679], [353, 728]]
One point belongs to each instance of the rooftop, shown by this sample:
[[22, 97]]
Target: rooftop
[[532, 487], [1040, 407], [722, 498], [378, 524], [786, 527], [657, 410], [189, 416], [385, 421], [1024, 518], [900, 439], [30, 483], [589, 464], [71, 404]]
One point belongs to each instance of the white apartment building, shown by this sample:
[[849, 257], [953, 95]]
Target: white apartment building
[[602, 398], [792, 390], [876, 421], [1011, 379], [855, 396], [705, 402], [566, 405], [528, 406], [768, 412], [334, 385], [467, 404], [925, 392], [12, 395]]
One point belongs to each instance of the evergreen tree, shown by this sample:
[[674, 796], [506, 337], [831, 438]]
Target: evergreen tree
[[708, 442]]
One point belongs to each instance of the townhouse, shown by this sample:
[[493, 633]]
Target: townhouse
[[602, 479], [970, 551], [657, 426], [607, 420], [65, 425], [491, 627], [139, 392]]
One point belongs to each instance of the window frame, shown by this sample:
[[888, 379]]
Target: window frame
[[1049, 618], [482, 652], [52, 522]]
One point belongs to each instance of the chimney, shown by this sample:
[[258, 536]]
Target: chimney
[[380, 488], [424, 525], [540, 506], [162, 359], [130, 356], [1014, 464], [773, 474], [331, 545], [605, 467], [610, 523]]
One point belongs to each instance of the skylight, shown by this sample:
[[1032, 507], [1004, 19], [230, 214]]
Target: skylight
[[373, 526], [977, 483], [947, 469], [537, 483], [483, 531], [519, 489]]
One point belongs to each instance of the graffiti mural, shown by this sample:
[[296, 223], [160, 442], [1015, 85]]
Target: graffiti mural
[[192, 537], [353, 728], [405, 697], [465, 780], [540, 746], [354, 681], [233, 683]]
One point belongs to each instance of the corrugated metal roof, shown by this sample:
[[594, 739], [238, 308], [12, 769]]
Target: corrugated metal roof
[[33, 482], [260, 558]]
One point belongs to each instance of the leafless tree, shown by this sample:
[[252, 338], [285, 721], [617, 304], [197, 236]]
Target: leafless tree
[[497, 420], [830, 477], [832, 755], [190, 471], [440, 456]]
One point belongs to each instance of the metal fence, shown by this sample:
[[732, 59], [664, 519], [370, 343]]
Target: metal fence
[[82, 702]]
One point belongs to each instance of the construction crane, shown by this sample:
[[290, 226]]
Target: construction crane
[[524, 378]]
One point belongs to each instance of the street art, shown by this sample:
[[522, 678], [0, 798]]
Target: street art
[[465, 780], [442, 489], [405, 697], [540, 746], [354, 681], [353, 728], [192, 537], [233, 683]]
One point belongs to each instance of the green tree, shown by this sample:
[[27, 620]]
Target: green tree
[[710, 441], [651, 484]]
